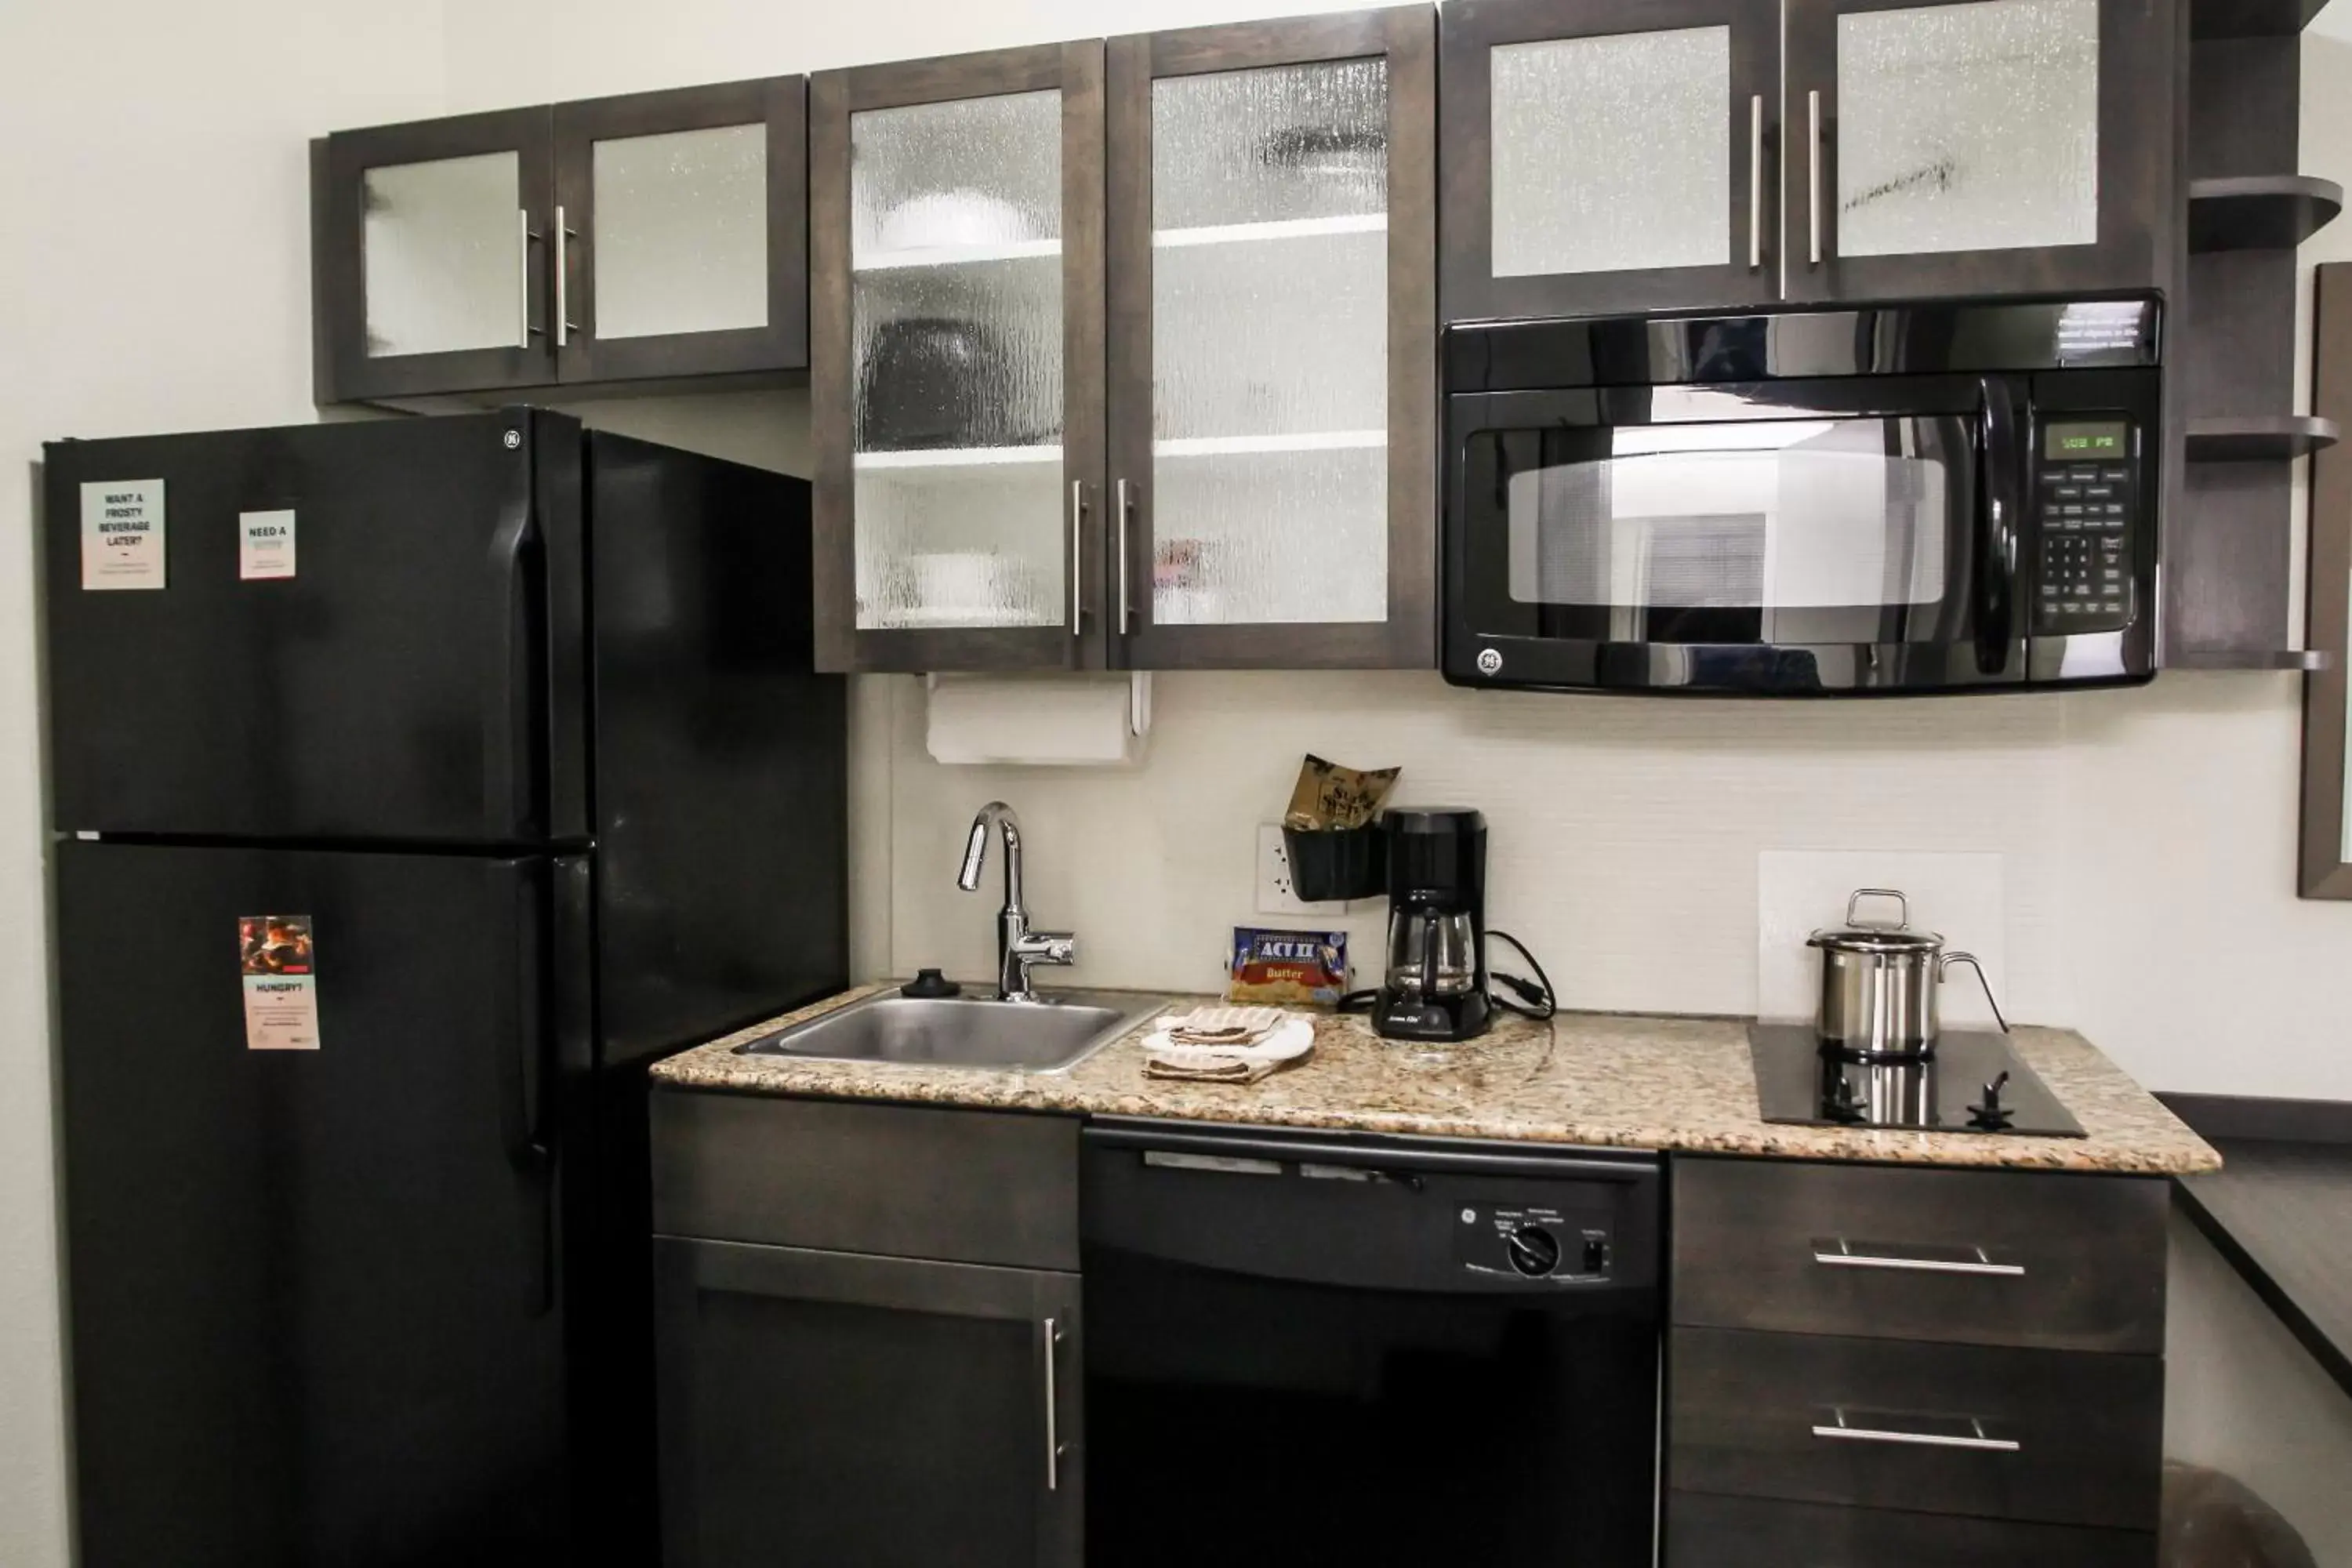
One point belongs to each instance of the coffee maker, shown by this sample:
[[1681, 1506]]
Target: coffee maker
[[1435, 985]]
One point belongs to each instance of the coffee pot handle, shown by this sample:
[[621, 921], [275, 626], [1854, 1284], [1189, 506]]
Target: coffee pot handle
[[1950, 959]]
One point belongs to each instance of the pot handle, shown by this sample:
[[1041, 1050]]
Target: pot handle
[[1902, 920], [1950, 959]]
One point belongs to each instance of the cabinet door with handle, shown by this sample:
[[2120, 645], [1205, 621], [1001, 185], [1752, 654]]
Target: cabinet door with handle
[[1976, 146], [1272, 227], [681, 232], [956, 361], [428, 245], [831, 1407], [1610, 155]]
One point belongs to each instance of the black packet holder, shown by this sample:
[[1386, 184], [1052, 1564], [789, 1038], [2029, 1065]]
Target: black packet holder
[[1330, 865]]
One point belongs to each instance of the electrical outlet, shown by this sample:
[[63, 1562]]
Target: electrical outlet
[[1276, 896]]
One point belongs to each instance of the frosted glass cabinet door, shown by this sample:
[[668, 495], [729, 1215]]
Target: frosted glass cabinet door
[[1610, 154], [1271, 200], [683, 232], [429, 248], [1976, 146], [955, 375]]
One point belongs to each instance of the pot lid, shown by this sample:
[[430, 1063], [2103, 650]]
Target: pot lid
[[1877, 936]]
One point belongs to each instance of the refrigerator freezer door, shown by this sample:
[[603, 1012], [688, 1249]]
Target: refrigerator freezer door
[[349, 633], [721, 757], [311, 1289]]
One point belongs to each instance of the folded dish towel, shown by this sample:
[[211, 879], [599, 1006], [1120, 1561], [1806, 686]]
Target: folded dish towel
[[1228, 1045]]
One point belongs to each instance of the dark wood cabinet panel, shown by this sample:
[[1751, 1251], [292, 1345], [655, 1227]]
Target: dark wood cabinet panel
[[1748, 273], [824, 1407], [1704, 1531], [2040, 1436], [2135, 182], [911, 1180], [1963, 1256], [424, 330], [778, 107], [1265, 239]]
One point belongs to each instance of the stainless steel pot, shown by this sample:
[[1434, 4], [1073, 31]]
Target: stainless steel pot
[[1880, 984]]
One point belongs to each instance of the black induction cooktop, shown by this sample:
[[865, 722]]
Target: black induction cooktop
[[1798, 1083]]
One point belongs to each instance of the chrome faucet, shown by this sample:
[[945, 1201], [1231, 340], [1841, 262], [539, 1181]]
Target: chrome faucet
[[1017, 947]]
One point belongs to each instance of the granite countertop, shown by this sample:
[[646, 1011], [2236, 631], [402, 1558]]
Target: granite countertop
[[1595, 1078]]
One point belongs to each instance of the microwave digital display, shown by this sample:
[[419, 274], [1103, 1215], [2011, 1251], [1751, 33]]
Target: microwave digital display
[[2085, 440]]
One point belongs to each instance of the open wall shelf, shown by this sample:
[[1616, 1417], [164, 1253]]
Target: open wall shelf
[[2257, 437], [2260, 212]]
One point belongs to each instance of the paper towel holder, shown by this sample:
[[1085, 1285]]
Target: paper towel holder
[[1138, 699], [1112, 719]]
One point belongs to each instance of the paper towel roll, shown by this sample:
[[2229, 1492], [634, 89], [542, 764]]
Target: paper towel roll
[[1039, 720]]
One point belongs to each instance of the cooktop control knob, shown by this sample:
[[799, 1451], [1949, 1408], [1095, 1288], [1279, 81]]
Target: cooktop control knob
[[1535, 1251]]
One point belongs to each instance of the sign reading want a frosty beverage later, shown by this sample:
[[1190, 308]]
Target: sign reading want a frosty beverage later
[[281, 981], [122, 533]]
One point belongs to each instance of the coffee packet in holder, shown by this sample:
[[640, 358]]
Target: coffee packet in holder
[[1288, 968], [1328, 798]]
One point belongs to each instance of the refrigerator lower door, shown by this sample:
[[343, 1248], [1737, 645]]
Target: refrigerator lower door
[[361, 631], [311, 1236]]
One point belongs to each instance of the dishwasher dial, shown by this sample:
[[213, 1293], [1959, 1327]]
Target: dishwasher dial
[[1534, 1251]]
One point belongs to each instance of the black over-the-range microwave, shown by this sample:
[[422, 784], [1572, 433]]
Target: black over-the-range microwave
[[1941, 497]]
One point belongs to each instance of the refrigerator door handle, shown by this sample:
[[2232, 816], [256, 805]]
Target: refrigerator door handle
[[525, 1090], [507, 796]]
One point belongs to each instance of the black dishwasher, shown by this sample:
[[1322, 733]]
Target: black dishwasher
[[1306, 1348]]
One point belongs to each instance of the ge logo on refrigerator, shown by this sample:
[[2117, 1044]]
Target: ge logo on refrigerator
[[1489, 660]]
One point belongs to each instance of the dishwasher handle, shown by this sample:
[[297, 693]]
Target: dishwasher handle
[[1396, 1160]]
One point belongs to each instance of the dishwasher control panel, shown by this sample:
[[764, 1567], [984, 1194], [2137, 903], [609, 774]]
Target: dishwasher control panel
[[1534, 1242]]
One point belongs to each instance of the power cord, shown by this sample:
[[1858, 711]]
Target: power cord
[[1539, 998]]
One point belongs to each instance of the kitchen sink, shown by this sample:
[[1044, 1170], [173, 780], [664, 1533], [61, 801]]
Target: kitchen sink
[[1053, 1034]]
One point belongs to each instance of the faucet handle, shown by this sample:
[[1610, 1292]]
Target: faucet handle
[[1046, 947]]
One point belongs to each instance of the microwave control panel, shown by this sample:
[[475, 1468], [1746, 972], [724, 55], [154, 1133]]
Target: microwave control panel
[[2084, 492]]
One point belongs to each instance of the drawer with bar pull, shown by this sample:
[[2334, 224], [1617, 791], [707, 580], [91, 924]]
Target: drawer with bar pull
[[2050, 1436], [1704, 1532], [1986, 1257]]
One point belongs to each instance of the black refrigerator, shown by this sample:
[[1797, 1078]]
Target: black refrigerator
[[415, 782]]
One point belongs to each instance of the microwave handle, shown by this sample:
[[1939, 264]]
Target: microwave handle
[[1999, 510]]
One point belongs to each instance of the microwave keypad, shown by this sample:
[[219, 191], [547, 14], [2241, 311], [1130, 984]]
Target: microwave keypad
[[2085, 578]]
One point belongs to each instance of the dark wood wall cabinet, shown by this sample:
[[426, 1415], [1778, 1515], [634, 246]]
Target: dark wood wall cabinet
[[1916, 1365], [2325, 870], [1635, 155], [1123, 352], [656, 235]]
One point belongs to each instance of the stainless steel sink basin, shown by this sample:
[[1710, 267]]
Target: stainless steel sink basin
[[1053, 1034]]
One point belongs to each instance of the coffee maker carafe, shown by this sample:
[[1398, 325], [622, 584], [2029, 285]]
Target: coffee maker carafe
[[1435, 985]]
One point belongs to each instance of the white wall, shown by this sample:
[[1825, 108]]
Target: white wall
[[154, 277]]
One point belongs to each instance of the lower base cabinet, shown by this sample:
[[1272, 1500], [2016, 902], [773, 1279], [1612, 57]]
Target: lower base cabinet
[[839, 1408], [1752, 1533]]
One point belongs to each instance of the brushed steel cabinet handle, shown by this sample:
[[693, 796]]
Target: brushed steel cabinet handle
[[1123, 520], [1756, 182], [1077, 530], [1813, 172], [1053, 1413], [524, 236], [1976, 1441], [564, 327], [1838, 1255]]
